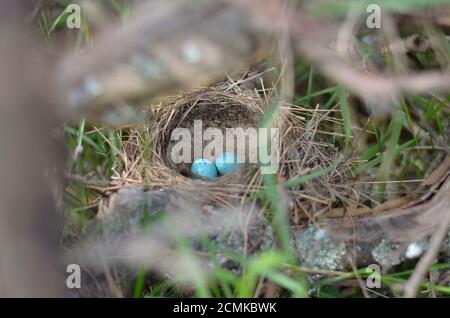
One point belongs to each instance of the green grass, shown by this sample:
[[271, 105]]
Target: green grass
[[389, 281]]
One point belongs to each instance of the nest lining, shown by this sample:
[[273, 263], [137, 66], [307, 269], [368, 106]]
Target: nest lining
[[217, 108], [211, 109]]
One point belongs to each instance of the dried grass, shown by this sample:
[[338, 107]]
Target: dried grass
[[305, 147]]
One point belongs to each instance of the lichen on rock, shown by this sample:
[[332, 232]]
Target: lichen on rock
[[316, 249]]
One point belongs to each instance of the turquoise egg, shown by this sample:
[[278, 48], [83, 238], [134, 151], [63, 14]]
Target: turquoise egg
[[204, 168], [226, 163]]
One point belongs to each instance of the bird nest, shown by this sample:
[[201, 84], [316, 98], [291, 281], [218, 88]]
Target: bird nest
[[303, 148]]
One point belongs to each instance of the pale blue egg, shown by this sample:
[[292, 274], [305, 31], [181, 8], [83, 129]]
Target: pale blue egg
[[204, 168], [227, 163]]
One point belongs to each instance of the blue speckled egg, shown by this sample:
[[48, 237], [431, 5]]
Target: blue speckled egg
[[226, 163], [204, 168]]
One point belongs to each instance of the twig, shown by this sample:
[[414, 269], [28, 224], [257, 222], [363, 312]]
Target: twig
[[427, 259]]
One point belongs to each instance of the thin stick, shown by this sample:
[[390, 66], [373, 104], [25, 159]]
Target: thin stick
[[427, 259]]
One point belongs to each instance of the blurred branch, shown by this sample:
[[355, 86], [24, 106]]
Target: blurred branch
[[164, 47], [313, 38], [379, 91], [168, 46], [427, 260], [29, 224]]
